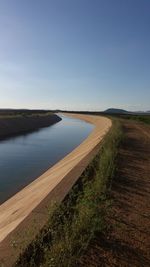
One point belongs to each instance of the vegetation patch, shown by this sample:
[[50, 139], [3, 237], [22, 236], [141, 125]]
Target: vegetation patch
[[139, 118], [75, 222], [22, 113]]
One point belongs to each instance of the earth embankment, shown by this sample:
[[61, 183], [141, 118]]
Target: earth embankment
[[15, 125]]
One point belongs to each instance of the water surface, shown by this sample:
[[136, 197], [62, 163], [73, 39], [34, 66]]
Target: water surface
[[24, 158]]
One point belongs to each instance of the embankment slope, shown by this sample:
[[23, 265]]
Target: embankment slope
[[15, 125]]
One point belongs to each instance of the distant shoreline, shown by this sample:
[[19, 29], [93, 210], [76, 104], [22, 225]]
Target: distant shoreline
[[14, 125]]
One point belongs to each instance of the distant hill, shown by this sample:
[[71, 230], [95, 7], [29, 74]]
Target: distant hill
[[125, 112], [116, 111]]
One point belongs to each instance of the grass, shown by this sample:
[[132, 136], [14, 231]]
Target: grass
[[75, 222], [20, 114], [140, 118]]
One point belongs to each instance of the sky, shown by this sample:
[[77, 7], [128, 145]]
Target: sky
[[75, 54]]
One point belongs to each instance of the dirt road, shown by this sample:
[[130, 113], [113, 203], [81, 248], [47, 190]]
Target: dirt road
[[127, 243]]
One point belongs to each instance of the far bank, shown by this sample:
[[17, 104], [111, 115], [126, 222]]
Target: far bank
[[13, 123]]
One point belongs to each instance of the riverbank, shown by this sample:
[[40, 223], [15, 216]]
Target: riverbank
[[12, 124], [29, 206]]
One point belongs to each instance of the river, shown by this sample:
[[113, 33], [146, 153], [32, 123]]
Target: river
[[25, 157]]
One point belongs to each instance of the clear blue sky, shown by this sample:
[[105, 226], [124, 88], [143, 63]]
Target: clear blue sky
[[75, 54]]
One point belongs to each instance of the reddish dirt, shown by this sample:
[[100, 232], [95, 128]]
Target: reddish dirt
[[127, 241]]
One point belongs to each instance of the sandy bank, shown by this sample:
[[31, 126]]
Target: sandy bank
[[30, 204]]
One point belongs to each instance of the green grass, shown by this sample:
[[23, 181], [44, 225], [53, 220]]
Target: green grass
[[140, 118], [23, 113], [76, 221]]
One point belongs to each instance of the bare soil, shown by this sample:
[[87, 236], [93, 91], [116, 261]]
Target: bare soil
[[127, 239]]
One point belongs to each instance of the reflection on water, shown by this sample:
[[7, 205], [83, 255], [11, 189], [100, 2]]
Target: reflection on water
[[24, 158]]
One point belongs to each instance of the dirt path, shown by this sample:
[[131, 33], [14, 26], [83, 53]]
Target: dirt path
[[127, 243]]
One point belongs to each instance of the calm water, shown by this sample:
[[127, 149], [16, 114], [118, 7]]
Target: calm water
[[24, 158]]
